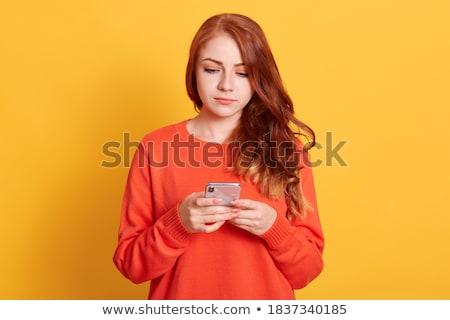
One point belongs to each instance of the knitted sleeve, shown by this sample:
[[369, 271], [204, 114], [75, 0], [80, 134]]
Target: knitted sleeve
[[147, 247], [297, 246]]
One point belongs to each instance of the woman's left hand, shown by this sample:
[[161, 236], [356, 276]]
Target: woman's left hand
[[254, 216]]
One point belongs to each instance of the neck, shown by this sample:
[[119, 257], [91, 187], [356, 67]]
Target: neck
[[210, 129]]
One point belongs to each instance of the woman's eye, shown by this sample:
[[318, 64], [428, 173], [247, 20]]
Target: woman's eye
[[242, 74], [209, 70]]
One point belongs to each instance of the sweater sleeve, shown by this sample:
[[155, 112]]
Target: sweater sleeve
[[297, 246], [147, 247]]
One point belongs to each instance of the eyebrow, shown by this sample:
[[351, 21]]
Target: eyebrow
[[221, 63]]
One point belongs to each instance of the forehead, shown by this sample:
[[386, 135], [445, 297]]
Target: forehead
[[221, 47]]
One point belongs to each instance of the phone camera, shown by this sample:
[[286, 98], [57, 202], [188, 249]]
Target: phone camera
[[210, 189]]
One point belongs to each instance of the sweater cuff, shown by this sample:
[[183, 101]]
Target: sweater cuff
[[174, 227], [277, 234]]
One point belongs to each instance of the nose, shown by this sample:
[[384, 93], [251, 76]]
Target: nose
[[226, 82]]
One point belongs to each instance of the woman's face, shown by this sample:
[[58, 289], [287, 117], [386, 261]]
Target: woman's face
[[222, 80]]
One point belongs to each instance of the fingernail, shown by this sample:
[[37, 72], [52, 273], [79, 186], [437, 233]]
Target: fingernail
[[217, 200]]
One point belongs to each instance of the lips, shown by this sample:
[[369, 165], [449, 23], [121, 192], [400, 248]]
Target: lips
[[223, 100]]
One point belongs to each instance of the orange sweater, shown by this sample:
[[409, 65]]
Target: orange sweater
[[230, 263]]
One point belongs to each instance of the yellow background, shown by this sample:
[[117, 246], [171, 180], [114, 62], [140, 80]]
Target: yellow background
[[77, 74]]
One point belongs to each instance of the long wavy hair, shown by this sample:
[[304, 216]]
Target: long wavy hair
[[271, 153]]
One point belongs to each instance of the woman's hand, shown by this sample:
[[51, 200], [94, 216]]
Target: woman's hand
[[200, 214], [254, 216]]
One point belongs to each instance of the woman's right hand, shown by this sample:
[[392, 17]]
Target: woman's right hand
[[200, 214]]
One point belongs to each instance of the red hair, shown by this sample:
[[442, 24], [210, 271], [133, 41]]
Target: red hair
[[270, 151]]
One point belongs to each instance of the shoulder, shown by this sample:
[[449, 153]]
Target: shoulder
[[304, 142], [303, 147], [168, 132]]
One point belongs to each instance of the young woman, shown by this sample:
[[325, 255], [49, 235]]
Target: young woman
[[267, 243]]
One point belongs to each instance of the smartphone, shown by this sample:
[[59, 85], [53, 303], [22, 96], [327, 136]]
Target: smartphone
[[227, 191]]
